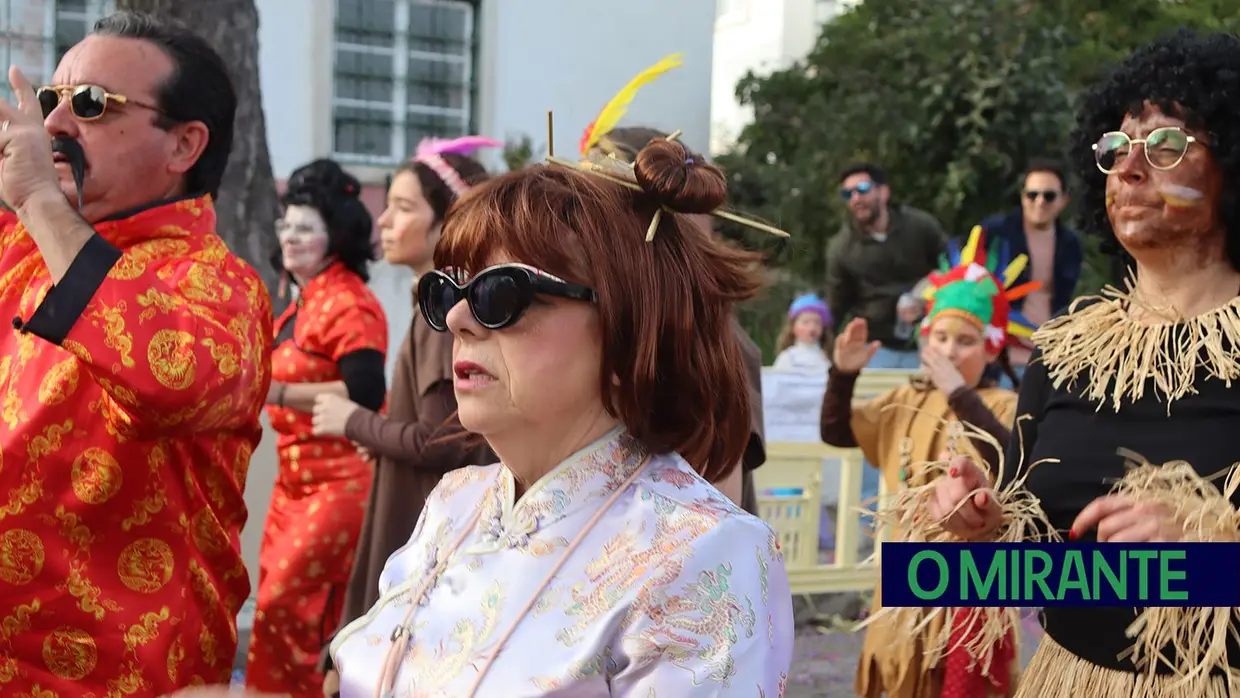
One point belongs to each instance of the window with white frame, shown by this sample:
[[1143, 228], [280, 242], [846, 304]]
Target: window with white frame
[[403, 72], [34, 34]]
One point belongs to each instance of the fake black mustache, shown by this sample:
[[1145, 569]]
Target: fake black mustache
[[76, 157]]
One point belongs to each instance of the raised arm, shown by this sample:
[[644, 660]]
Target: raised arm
[[178, 341]]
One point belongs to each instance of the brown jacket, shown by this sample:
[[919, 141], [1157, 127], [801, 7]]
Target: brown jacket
[[417, 442]]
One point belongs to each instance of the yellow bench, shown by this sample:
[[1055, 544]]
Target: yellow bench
[[789, 493]]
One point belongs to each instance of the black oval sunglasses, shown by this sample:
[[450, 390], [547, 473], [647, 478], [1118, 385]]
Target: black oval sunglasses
[[497, 296]]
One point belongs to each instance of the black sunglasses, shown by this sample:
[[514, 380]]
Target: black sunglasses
[[497, 296], [1050, 195], [861, 188], [87, 102]]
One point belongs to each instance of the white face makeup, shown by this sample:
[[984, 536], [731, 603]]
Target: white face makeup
[[303, 241], [1180, 196]]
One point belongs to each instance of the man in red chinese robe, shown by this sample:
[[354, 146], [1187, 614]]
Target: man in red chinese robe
[[132, 375]]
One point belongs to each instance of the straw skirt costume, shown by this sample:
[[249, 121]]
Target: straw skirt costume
[[1102, 393]]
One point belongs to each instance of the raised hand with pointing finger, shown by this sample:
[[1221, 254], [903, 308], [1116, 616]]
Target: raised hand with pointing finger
[[26, 168]]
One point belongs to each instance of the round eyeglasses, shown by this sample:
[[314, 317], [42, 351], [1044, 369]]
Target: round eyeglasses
[[1164, 148]]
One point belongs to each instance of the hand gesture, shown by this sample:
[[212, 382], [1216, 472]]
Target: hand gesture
[[1121, 520], [26, 167], [979, 515], [910, 309], [331, 413], [939, 369], [852, 351]]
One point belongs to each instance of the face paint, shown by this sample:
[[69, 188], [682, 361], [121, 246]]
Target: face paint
[[1180, 196], [1166, 214], [303, 241]]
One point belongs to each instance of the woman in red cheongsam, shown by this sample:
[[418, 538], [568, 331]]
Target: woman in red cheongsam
[[332, 340]]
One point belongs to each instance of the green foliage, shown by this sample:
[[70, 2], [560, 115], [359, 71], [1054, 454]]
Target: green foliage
[[951, 97], [519, 152]]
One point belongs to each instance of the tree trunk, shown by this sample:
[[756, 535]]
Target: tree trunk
[[248, 204]]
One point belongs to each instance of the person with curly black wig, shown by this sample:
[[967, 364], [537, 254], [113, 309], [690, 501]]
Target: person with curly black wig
[[1144, 375], [332, 340]]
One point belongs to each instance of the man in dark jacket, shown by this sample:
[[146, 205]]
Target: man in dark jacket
[[1054, 249], [880, 253], [876, 259]]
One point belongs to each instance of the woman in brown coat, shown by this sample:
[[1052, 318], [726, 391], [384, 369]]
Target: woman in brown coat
[[412, 445]]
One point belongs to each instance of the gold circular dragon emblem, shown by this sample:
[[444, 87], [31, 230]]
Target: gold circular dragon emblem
[[59, 383], [70, 653], [171, 357], [96, 476], [21, 556], [145, 565]]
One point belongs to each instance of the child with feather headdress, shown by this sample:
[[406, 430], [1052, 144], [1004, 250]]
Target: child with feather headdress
[[968, 322]]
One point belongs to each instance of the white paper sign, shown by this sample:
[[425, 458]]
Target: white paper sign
[[791, 404]]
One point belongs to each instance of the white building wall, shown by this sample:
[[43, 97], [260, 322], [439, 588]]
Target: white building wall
[[761, 36], [571, 56]]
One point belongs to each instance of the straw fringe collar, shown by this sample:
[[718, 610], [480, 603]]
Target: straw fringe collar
[[1118, 358]]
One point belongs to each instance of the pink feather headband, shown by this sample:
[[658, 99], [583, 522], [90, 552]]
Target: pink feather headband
[[430, 152]]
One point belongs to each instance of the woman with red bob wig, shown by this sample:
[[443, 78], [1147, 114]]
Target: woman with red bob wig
[[593, 350]]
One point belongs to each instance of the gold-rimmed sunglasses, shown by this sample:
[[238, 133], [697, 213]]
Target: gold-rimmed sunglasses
[[1164, 148], [87, 102]]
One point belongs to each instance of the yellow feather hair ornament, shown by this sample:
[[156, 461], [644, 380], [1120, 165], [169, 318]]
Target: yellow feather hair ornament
[[615, 109]]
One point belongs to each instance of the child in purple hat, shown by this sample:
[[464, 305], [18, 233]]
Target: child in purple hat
[[803, 341]]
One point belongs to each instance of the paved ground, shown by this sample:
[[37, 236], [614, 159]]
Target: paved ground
[[825, 663]]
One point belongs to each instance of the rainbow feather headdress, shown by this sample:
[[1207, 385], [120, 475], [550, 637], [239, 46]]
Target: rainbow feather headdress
[[969, 285]]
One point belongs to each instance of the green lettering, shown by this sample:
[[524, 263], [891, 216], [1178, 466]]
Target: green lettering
[[1119, 584], [1014, 585], [1072, 576], [1167, 575], [971, 577], [1143, 558], [1038, 577], [916, 588]]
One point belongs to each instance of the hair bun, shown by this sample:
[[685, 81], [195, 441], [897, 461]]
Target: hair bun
[[678, 178], [326, 178]]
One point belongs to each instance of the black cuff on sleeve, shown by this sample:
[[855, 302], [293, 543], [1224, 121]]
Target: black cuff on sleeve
[[755, 452], [66, 301], [363, 374]]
